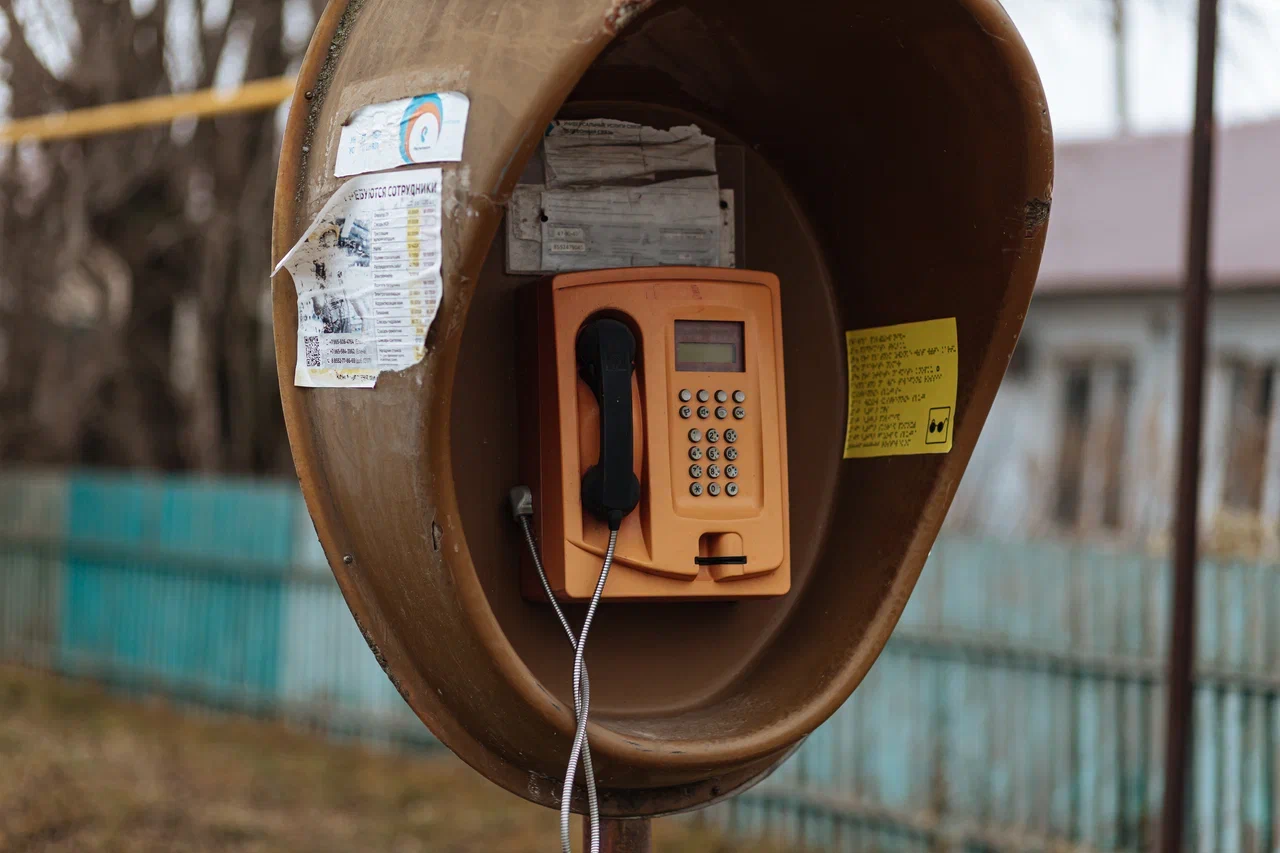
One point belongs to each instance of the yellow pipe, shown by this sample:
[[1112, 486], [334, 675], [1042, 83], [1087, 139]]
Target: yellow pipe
[[112, 118]]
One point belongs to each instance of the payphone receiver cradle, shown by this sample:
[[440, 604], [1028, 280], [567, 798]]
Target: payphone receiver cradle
[[704, 441]]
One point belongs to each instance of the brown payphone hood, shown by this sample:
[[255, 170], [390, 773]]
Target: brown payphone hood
[[893, 163]]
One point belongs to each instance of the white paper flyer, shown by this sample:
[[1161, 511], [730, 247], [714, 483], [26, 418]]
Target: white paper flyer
[[426, 129], [367, 274]]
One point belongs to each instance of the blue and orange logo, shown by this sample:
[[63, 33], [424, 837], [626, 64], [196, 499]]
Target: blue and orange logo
[[420, 127]]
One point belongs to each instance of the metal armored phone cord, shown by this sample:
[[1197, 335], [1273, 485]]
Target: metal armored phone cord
[[522, 509], [579, 682]]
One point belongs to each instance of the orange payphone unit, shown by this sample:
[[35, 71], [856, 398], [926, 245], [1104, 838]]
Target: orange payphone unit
[[653, 404]]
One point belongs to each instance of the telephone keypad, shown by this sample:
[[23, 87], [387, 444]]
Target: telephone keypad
[[707, 480]]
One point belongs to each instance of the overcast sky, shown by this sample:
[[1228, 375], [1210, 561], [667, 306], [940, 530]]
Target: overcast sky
[[1070, 40], [1071, 43]]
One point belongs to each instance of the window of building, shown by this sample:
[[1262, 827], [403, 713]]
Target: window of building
[[1114, 433], [1089, 487], [1248, 422], [1075, 428]]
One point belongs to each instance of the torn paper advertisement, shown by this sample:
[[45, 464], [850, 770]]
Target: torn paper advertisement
[[606, 193], [609, 227], [607, 151], [367, 274], [524, 235], [426, 129]]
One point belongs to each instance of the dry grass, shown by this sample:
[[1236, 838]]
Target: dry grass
[[83, 770]]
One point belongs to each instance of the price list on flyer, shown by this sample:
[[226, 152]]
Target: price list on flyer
[[368, 279]]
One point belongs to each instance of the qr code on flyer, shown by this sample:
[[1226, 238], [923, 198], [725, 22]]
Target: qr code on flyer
[[313, 350]]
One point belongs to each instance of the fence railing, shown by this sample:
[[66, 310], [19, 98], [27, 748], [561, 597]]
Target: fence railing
[[1019, 705]]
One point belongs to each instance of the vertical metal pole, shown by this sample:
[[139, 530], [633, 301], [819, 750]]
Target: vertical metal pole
[[621, 836], [1194, 326]]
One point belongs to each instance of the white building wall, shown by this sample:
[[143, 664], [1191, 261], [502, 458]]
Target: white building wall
[[1009, 488]]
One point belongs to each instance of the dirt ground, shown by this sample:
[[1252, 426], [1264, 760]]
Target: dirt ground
[[82, 770]]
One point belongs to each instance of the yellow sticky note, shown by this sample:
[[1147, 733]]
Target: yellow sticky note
[[902, 389]]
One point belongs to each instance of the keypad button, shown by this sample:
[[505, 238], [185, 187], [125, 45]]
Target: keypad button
[[713, 489], [695, 435], [704, 412], [695, 489], [739, 413], [731, 471], [713, 471], [695, 471], [704, 395], [739, 396], [730, 435], [731, 490], [722, 412], [695, 452], [713, 453], [730, 453], [721, 396], [685, 395], [713, 435], [686, 412]]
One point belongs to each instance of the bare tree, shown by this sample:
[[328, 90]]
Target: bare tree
[[134, 328], [1118, 15]]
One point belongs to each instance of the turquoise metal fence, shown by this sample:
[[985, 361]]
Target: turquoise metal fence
[[177, 582], [213, 591], [1019, 705], [32, 525]]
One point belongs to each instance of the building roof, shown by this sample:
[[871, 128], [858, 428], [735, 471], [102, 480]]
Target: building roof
[[1119, 217]]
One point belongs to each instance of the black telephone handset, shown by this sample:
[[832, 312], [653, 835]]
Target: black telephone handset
[[606, 351]]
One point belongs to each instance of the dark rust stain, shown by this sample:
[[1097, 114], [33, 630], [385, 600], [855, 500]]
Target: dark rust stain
[[1037, 214], [373, 647], [437, 535], [623, 11]]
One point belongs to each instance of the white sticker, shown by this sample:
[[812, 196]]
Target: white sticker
[[425, 129], [367, 274]]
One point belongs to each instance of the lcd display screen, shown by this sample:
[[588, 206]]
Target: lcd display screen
[[709, 346]]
